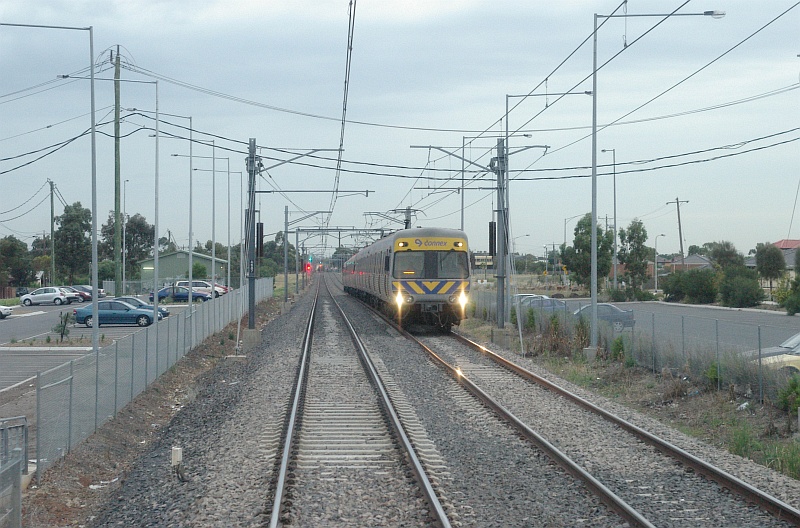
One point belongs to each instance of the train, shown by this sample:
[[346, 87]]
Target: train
[[417, 276]]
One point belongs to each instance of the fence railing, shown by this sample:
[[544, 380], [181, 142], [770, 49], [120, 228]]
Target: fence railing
[[715, 352], [76, 398]]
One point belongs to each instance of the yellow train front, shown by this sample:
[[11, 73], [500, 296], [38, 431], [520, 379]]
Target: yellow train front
[[417, 275]]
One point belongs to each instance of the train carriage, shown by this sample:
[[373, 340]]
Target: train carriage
[[417, 275]]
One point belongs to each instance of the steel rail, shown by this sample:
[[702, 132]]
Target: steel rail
[[608, 497], [289, 439], [775, 506], [430, 494]]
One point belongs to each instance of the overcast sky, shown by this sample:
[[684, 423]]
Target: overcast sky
[[701, 110]]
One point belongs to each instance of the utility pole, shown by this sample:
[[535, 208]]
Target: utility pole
[[52, 235], [252, 168], [680, 232], [117, 179], [499, 167]]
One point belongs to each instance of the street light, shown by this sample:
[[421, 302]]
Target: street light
[[713, 14], [614, 158], [655, 263]]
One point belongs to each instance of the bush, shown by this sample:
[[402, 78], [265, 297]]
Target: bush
[[739, 288], [618, 295], [673, 286], [789, 396], [530, 320], [618, 349], [699, 286], [644, 295], [793, 303]]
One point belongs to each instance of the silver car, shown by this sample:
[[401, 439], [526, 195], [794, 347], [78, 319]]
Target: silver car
[[46, 295]]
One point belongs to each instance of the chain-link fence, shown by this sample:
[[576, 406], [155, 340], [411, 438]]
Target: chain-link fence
[[76, 398], [720, 354]]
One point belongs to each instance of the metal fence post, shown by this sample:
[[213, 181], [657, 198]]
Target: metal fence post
[[116, 375], [683, 338], [133, 363], [69, 412], [146, 356], [719, 367], [39, 425], [653, 340], [760, 374]]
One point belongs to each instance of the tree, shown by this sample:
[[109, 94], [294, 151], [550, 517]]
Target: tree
[[634, 254], [15, 262], [724, 254], [699, 286], [139, 237], [770, 263], [199, 270], [578, 257], [106, 270], [72, 244], [695, 250]]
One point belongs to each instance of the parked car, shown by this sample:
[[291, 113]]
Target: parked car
[[617, 317], [22, 290], [72, 295], [785, 356], [181, 294], [88, 289], [114, 312], [46, 295], [138, 303], [5, 311], [201, 285], [84, 296], [544, 304]]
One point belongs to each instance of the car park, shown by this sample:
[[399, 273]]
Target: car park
[[138, 303], [5, 311], [616, 317], [180, 294], [88, 289], [114, 312], [46, 295], [785, 356]]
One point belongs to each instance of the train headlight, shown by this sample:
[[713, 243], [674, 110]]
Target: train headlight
[[399, 298], [462, 299], [452, 299], [409, 299]]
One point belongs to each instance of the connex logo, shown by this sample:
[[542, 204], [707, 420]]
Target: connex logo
[[418, 242]]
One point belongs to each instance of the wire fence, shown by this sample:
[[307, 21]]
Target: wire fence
[[718, 354], [73, 400]]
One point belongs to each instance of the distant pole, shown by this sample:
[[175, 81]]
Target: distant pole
[[680, 231], [117, 178], [52, 236], [286, 253], [501, 234]]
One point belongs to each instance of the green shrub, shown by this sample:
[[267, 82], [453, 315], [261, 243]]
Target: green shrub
[[530, 320], [644, 295], [711, 376], [618, 349], [618, 295], [514, 315], [792, 304], [673, 286], [789, 396], [739, 287], [699, 286]]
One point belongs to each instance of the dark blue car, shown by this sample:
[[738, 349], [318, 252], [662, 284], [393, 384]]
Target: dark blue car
[[180, 294], [138, 303], [114, 312]]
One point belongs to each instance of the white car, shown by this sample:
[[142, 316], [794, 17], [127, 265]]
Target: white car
[[48, 294], [203, 286], [5, 311]]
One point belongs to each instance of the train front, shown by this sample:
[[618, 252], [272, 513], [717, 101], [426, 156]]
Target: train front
[[431, 277]]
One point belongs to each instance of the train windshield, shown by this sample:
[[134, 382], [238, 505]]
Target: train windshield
[[431, 265]]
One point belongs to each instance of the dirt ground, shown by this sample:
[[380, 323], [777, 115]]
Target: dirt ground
[[76, 487]]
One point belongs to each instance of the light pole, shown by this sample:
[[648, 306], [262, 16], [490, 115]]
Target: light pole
[[655, 263], [614, 158], [95, 329], [713, 14]]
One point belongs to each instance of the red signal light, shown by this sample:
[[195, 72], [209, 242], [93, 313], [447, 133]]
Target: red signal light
[[308, 268]]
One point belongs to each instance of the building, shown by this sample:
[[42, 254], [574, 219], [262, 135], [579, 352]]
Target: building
[[175, 265]]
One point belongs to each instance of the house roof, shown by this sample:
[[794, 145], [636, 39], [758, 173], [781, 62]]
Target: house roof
[[787, 243]]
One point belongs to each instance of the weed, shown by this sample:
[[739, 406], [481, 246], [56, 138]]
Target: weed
[[789, 396], [618, 349], [13, 340], [743, 443], [231, 337], [47, 340]]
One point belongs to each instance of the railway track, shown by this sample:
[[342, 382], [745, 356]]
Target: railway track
[[645, 479], [346, 458]]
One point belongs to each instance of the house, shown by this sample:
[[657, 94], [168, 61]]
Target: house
[[175, 265], [691, 262], [789, 249]]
